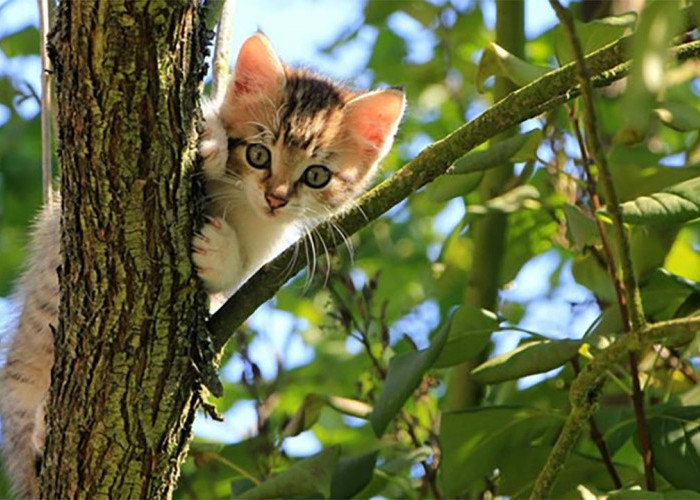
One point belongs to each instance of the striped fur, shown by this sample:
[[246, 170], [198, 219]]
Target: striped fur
[[303, 119]]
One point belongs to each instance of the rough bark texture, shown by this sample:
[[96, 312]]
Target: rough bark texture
[[124, 390]]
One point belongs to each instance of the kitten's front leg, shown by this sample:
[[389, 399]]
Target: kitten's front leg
[[217, 255], [213, 143]]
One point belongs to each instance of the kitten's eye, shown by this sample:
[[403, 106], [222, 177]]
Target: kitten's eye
[[316, 176], [258, 156]]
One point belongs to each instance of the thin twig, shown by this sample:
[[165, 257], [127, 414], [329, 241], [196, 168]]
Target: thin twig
[[591, 186], [224, 34], [637, 392], [627, 290], [584, 390], [45, 103]]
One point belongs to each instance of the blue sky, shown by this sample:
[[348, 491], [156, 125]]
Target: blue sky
[[299, 29]]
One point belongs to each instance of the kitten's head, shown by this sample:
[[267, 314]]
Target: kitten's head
[[302, 146]]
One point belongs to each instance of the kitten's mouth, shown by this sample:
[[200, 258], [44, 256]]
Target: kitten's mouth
[[271, 213]]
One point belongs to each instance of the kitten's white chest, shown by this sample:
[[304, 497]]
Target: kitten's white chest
[[260, 239], [232, 247]]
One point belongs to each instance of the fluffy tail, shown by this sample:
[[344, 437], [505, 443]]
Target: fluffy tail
[[26, 373], [20, 454], [24, 383]]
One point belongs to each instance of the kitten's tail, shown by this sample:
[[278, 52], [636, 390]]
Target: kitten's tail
[[22, 410], [21, 459]]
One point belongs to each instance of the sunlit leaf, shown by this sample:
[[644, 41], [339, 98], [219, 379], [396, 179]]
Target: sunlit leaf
[[675, 439], [521, 147], [678, 203], [592, 35], [679, 116], [532, 357], [683, 259], [497, 61], [21, 43], [659, 23]]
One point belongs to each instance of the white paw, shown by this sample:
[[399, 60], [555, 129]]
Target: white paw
[[213, 144], [216, 253]]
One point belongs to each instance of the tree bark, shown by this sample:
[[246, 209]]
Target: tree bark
[[124, 388]]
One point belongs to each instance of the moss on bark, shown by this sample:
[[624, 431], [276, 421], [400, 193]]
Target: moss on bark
[[124, 391]]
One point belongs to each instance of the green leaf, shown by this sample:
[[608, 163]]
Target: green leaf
[[681, 116], [525, 196], [21, 43], [533, 357], [591, 273], [664, 293], [675, 439], [477, 441], [592, 35], [310, 410], [446, 187], [468, 170], [306, 478], [469, 333], [581, 228], [522, 147], [305, 417], [518, 469], [497, 61], [677, 203], [7, 91], [404, 374], [659, 23], [636, 171], [353, 474]]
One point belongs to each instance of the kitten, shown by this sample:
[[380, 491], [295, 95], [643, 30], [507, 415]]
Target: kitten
[[284, 149]]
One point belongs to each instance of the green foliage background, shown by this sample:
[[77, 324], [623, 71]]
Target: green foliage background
[[387, 326]]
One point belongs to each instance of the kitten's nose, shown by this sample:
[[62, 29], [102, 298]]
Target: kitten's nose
[[274, 201]]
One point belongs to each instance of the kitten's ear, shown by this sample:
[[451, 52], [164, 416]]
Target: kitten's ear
[[372, 120], [259, 72]]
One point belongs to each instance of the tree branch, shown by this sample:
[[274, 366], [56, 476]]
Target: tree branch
[[46, 102], [545, 93], [597, 438], [584, 391], [224, 33], [627, 290]]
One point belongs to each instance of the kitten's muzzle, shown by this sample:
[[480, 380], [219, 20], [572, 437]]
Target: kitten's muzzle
[[274, 202]]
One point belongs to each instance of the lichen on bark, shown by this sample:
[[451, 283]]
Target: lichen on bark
[[124, 388]]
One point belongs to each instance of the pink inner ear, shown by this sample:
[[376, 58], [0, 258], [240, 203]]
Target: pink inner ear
[[258, 69], [374, 117]]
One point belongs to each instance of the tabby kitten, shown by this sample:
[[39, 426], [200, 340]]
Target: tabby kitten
[[284, 149]]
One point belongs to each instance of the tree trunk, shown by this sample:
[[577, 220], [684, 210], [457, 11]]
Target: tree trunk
[[124, 388]]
